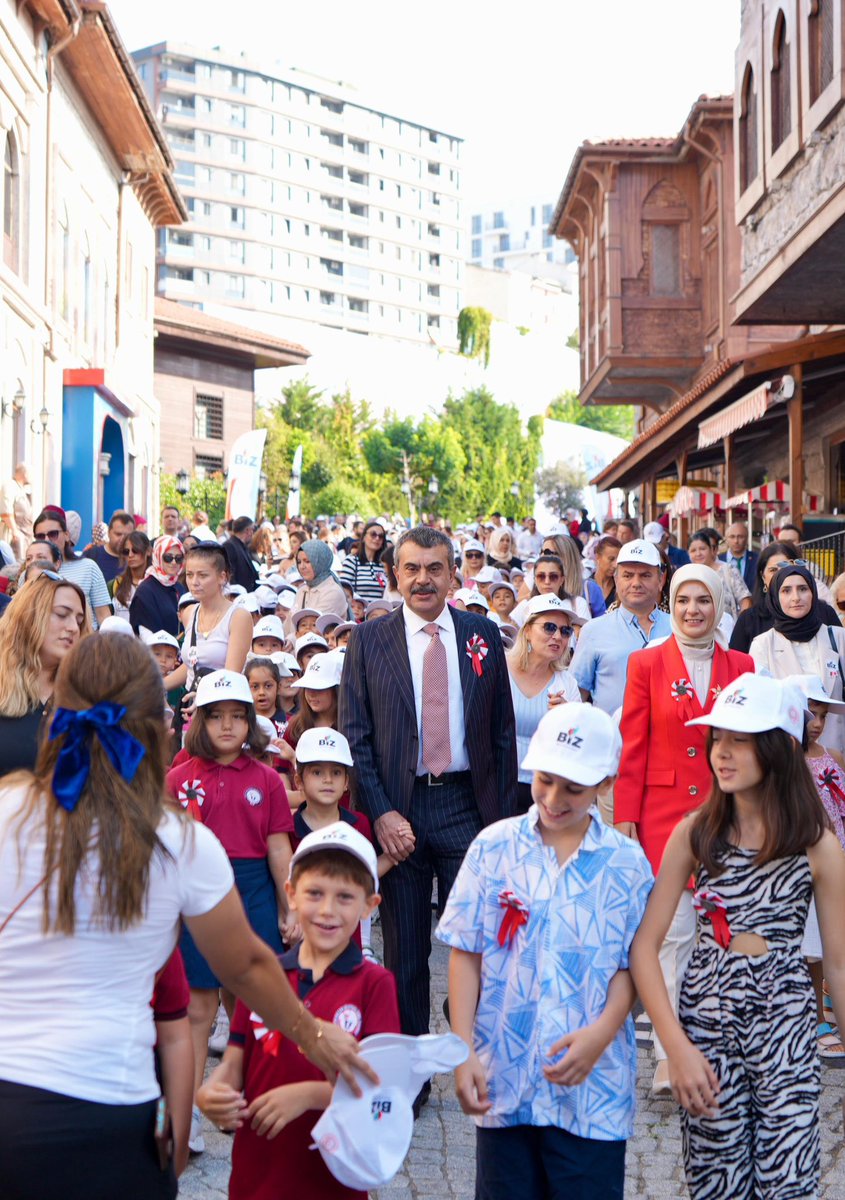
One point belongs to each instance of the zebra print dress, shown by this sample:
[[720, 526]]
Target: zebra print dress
[[754, 1020]]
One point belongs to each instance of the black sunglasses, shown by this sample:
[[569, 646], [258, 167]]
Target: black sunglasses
[[173, 558], [51, 535], [549, 628], [473, 554]]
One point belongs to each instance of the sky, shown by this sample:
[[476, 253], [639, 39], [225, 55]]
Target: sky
[[524, 82]]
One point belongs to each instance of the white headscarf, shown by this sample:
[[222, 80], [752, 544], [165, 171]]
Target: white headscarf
[[708, 578]]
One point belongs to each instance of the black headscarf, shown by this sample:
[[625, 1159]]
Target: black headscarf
[[794, 629]]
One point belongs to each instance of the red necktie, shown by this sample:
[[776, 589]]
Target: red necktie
[[437, 745]]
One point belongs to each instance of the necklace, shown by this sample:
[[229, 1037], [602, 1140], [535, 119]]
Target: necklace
[[217, 617]]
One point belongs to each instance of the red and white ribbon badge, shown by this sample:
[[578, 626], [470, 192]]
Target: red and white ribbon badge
[[711, 905], [477, 650], [681, 689], [516, 915], [268, 1039], [192, 796]]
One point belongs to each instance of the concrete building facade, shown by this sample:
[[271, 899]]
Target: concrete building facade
[[305, 201]]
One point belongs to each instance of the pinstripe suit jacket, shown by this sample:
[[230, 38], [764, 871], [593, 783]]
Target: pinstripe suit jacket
[[378, 717]]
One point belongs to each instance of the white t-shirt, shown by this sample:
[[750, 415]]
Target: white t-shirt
[[75, 1011]]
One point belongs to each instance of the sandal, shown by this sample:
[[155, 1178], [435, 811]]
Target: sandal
[[829, 1042]]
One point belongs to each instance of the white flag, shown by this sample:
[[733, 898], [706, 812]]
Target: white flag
[[294, 495], [245, 474]]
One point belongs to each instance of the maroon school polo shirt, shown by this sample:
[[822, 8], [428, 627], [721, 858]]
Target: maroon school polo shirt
[[242, 803], [359, 996]]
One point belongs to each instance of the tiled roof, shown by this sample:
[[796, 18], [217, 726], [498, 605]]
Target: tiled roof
[[698, 389], [175, 319]]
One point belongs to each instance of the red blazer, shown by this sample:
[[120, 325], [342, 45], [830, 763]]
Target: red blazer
[[664, 772]]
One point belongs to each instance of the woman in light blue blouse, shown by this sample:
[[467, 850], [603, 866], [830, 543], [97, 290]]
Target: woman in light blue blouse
[[538, 675]]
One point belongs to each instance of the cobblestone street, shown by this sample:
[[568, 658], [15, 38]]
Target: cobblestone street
[[441, 1166]]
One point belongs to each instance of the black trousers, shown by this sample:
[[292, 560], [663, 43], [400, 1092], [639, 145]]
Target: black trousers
[[445, 820], [542, 1162], [55, 1147]]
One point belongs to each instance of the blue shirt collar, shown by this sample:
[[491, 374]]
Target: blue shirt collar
[[591, 839]]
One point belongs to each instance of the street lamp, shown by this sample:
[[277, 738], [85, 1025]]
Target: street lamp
[[515, 490], [183, 482], [434, 485], [262, 493]]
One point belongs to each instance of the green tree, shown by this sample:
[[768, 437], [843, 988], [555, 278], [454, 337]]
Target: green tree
[[561, 487], [206, 494], [617, 419], [474, 326], [342, 497], [301, 405]]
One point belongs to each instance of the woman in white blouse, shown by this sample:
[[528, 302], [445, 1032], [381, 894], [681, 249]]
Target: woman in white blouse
[[799, 643]]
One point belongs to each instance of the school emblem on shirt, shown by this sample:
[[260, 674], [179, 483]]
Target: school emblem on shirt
[[253, 796], [348, 1017], [681, 689]]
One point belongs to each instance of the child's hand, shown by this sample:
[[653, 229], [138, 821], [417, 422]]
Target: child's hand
[[270, 1113], [223, 1106], [287, 750], [471, 1087], [290, 929], [583, 1049], [695, 1084]]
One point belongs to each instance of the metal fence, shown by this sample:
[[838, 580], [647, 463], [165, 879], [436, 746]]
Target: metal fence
[[826, 554]]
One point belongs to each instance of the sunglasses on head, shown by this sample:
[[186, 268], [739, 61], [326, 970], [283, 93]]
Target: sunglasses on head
[[173, 558], [48, 535], [550, 628], [49, 574]]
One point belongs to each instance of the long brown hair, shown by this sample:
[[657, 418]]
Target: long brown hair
[[22, 634], [198, 740], [137, 540], [306, 717], [116, 819], [792, 814], [556, 561]]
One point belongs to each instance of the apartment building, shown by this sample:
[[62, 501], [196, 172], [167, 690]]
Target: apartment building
[[305, 201], [516, 237]]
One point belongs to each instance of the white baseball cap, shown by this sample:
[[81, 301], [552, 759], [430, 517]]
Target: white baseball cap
[[472, 596], [326, 620], [234, 589], [550, 603], [286, 595], [287, 660], [378, 606], [323, 671], [323, 745], [270, 627], [654, 532], [473, 545], [640, 551], [269, 729], [338, 836], [345, 627], [364, 1139], [303, 612], [276, 581], [757, 703], [160, 638], [117, 625], [222, 685], [267, 597], [309, 639], [488, 575], [185, 598], [247, 601], [503, 583], [578, 742], [813, 689], [278, 658]]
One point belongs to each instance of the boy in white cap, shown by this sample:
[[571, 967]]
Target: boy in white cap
[[264, 1089], [268, 636], [540, 921]]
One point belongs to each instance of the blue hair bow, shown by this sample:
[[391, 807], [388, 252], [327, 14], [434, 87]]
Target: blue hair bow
[[74, 762]]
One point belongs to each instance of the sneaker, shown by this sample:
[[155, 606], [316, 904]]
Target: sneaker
[[196, 1141], [219, 1038]]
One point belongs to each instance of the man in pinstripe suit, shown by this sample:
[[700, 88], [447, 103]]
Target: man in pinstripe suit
[[431, 728]]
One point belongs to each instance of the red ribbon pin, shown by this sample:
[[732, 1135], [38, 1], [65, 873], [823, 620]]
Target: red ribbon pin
[[477, 650], [828, 779], [516, 915], [713, 906]]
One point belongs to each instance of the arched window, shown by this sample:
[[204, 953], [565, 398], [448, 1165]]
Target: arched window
[[781, 110], [747, 130], [11, 202], [820, 46]]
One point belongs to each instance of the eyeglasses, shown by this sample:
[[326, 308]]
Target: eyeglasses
[[51, 535], [550, 629], [473, 554], [375, 533], [173, 558], [553, 578]]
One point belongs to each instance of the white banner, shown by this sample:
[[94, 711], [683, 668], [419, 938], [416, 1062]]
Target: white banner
[[294, 495], [245, 474]]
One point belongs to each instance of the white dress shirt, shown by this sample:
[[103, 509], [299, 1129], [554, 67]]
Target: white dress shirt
[[417, 641]]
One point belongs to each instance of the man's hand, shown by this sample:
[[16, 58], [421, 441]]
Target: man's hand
[[395, 835], [583, 1049], [471, 1087]]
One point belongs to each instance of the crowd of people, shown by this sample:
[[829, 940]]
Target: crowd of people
[[612, 766]]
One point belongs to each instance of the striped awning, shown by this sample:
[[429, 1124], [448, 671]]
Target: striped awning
[[776, 492], [689, 500], [745, 410]]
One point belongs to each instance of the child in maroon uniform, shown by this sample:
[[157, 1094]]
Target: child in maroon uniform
[[264, 1088], [244, 803]]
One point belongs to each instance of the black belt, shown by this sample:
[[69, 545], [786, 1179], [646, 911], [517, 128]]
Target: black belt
[[454, 777]]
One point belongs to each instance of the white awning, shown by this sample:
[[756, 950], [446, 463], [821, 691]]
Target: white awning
[[745, 410]]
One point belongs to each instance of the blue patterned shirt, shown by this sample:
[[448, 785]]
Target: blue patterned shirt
[[553, 977]]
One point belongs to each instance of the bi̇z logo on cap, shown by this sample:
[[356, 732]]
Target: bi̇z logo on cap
[[326, 741], [570, 737], [222, 683], [738, 698], [380, 1108]]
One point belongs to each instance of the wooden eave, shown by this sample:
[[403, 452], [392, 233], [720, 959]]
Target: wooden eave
[[191, 331], [102, 71], [56, 15]]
